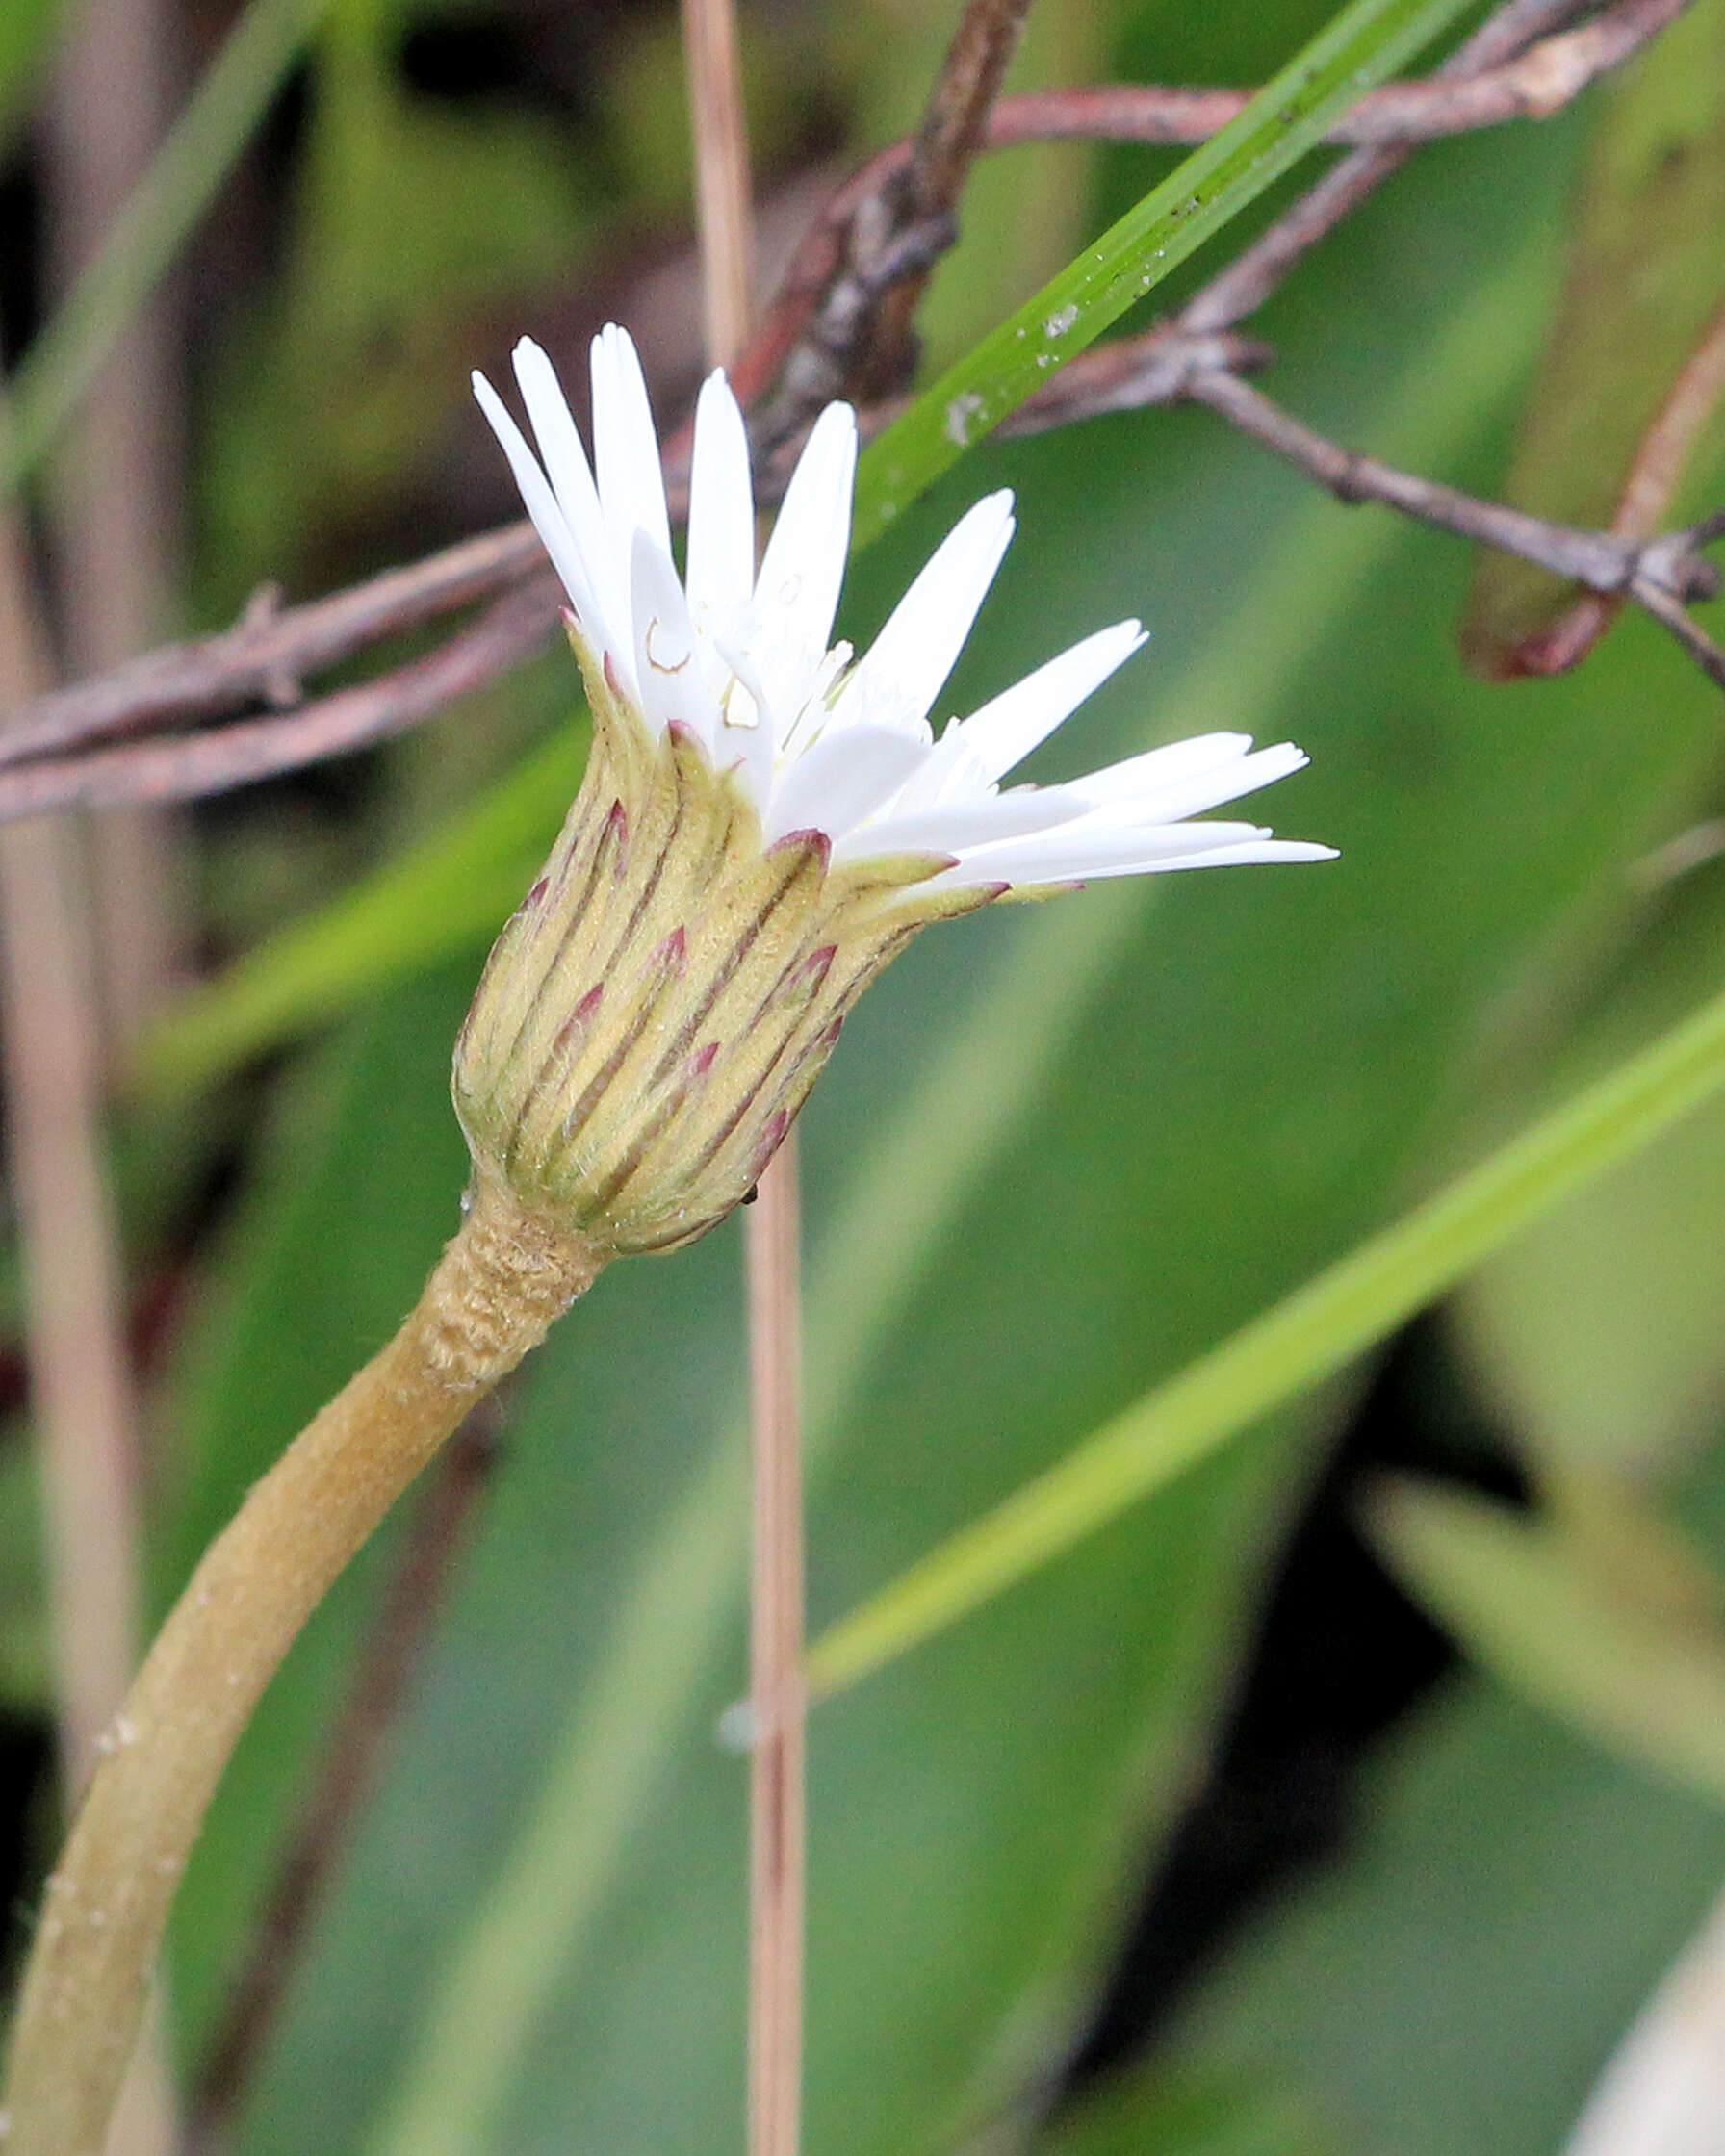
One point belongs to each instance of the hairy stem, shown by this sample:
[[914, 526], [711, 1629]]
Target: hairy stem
[[494, 1293]]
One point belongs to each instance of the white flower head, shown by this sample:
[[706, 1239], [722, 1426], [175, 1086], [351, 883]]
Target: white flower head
[[764, 820], [745, 662]]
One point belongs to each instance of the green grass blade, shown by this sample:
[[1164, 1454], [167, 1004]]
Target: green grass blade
[[25, 30], [1308, 1337], [1288, 116], [227, 103]]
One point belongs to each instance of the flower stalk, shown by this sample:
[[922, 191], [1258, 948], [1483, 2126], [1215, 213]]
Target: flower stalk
[[499, 1283]]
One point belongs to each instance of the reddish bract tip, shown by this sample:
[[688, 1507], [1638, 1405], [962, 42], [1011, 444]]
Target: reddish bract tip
[[673, 952], [812, 841], [771, 1139], [537, 893], [616, 831], [580, 1016], [703, 1062], [815, 967]]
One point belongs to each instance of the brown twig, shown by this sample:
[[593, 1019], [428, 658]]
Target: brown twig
[[1663, 575], [778, 1708], [388, 1659], [772, 1243], [266, 655], [182, 768], [857, 290]]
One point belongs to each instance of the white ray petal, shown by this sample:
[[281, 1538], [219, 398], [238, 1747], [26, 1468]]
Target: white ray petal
[[1240, 856], [632, 486], [952, 827], [1081, 852], [841, 779], [1003, 732], [1141, 790], [542, 505], [721, 557], [796, 594], [671, 685], [907, 665], [560, 448]]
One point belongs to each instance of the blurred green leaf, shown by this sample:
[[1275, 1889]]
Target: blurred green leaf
[[1644, 283], [1363, 42], [1456, 1978], [434, 900], [25, 1681], [1551, 1613], [1600, 1335], [26, 31], [411, 217], [1155, 2113], [226, 105]]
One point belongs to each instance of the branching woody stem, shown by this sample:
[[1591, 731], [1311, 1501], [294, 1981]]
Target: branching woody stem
[[1602, 560], [1664, 575], [1496, 75], [179, 768], [498, 1287]]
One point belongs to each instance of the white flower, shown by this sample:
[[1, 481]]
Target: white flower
[[822, 742]]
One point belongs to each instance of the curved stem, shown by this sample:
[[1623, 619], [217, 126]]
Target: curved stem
[[494, 1293]]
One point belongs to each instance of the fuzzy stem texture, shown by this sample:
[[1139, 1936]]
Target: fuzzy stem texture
[[499, 1285]]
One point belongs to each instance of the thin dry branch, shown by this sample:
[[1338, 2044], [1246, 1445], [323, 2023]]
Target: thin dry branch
[[1533, 85], [892, 250], [1497, 75], [266, 654], [1602, 560], [721, 148], [1666, 573], [184, 767], [1488, 79]]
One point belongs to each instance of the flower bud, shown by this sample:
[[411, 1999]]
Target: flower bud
[[656, 1010]]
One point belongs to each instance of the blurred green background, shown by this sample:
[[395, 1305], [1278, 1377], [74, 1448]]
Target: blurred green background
[[1206, 1838]]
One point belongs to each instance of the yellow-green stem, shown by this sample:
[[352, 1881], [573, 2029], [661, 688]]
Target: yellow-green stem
[[497, 1288]]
